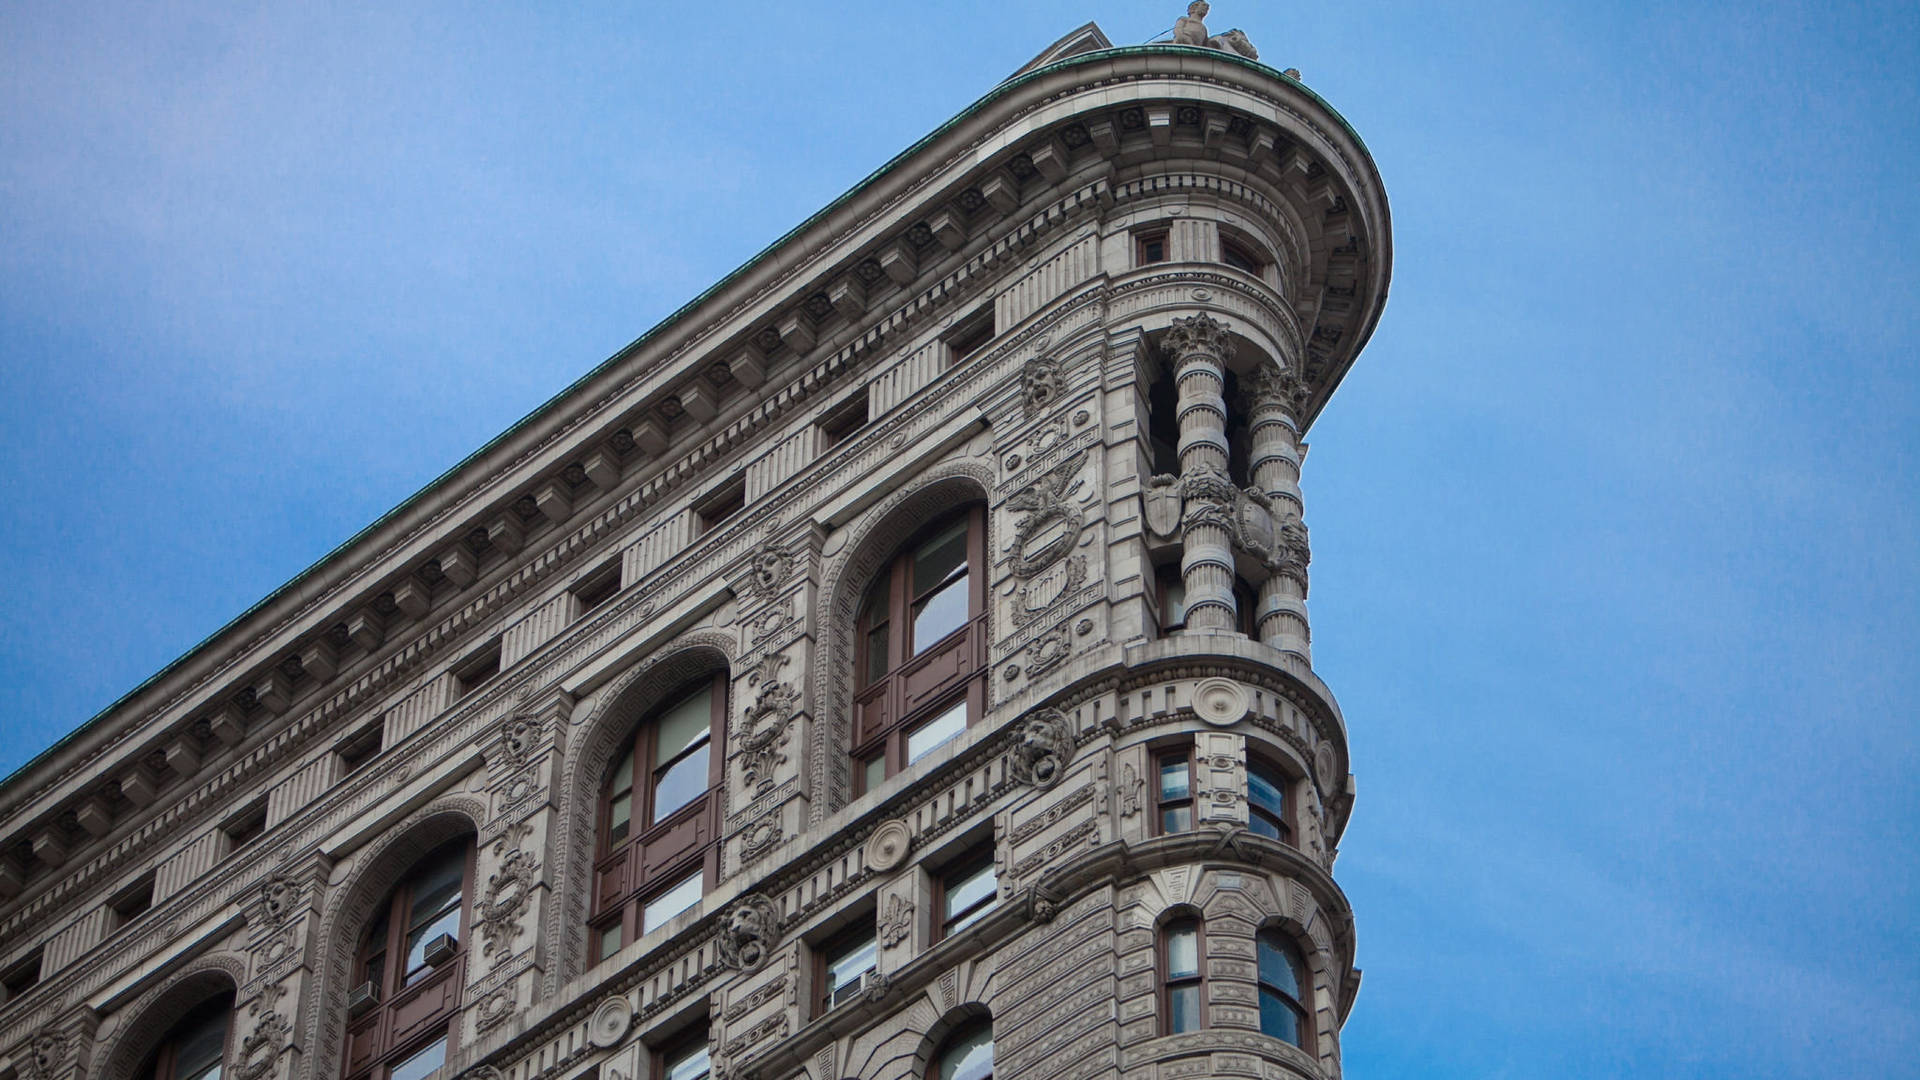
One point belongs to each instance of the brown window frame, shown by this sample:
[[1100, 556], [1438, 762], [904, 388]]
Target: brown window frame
[[1146, 237], [1231, 249], [391, 1045], [1161, 803], [163, 1063], [864, 930], [894, 703], [1296, 959], [1283, 821], [654, 856], [1164, 962], [967, 864]]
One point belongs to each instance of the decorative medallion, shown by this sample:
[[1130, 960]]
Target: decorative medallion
[[609, 1023], [260, 1050], [760, 838], [1053, 523], [509, 893], [888, 846], [1221, 702]]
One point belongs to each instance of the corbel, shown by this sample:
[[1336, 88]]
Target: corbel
[[273, 692], [949, 229], [699, 401], [849, 297], [49, 848], [228, 725], [413, 598], [320, 660], [649, 436], [1160, 125], [1106, 138], [368, 629], [182, 756], [796, 332], [602, 468], [93, 816], [1001, 193], [1051, 159], [138, 786], [506, 535], [12, 878], [554, 500], [749, 369], [900, 263]]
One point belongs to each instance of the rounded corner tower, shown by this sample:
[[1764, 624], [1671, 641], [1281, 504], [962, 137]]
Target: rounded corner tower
[[895, 664]]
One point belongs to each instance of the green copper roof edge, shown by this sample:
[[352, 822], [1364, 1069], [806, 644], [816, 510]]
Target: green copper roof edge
[[543, 408]]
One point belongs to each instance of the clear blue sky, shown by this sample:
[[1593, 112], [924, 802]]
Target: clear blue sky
[[1616, 522]]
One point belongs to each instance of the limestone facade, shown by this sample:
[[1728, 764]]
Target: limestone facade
[[1089, 320]]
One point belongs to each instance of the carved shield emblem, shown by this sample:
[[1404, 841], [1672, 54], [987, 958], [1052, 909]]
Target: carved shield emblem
[[1162, 508], [1256, 525]]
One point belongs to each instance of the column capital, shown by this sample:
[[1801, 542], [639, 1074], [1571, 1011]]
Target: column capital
[[1199, 334]]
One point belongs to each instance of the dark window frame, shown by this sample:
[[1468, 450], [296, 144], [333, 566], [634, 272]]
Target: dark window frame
[[963, 866], [163, 1062], [477, 668], [131, 902], [1241, 256], [595, 589], [1144, 242], [843, 421], [390, 1047], [892, 704], [1164, 963], [682, 1045], [623, 881], [863, 930], [970, 333], [938, 1057], [22, 975], [1284, 820], [245, 827], [720, 505], [1290, 950], [1161, 804]]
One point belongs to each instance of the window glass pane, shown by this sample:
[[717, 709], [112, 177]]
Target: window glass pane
[[691, 1065], [938, 560], [684, 724], [437, 887], [622, 777], [1183, 1009], [936, 731], [975, 889], [970, 1057], [845, 967], [1277, 1019], [1266, 789], [1276, 965], [876, 771], [1183, 952], [1176, 819], [620, 817], [680, 783], [1262, 825], [936, 616], [1173, 598], [670, 903], [876, 652], [200, 1047], [423, 1063], [1173, 779], [610, 942], [419, 936]]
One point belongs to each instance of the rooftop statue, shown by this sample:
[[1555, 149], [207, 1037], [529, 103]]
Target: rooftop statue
[[1191, 29]]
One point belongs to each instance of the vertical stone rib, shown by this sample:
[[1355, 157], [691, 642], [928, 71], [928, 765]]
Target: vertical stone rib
[[1199, 347], [1278, 394]]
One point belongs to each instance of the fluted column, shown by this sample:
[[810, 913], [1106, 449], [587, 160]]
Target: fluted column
[[1199, 346], [1278, 397]]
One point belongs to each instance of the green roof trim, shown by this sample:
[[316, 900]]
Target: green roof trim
[[545, 407]]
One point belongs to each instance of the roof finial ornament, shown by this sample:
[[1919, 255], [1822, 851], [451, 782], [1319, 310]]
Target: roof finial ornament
[[1191, 29]]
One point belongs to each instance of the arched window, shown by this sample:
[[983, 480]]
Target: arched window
[[1182, 977], [195, 1047], [658, 817], [967, 1055], [1283, 1013], [408, 971], [921, 645], [1267, 801]]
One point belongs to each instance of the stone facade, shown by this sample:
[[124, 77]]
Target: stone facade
[[1103, 305]]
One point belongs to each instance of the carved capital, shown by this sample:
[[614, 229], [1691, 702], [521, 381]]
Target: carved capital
[[1199, 335]]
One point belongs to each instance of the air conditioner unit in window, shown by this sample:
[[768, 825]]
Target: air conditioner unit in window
[[362, 997], [850, 991], [440, 949]]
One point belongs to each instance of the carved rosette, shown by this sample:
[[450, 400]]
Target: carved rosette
[[888, 846], [1045, 746], [750, 932]]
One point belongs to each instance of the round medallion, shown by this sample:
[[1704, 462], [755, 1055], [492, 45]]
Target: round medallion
[[1202, 294], [1221, 702], [610, 1022], [889, 844]]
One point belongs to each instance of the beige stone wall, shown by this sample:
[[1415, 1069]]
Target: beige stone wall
[[1045, 425]]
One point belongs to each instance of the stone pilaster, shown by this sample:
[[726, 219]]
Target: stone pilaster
[[1199, 347], [1276, 452]]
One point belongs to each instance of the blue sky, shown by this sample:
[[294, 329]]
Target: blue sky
[[1616, 522]]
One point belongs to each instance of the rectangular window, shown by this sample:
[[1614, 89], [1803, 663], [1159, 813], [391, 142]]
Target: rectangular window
[[477, 669], [1150, 247], [967, 892], [422, 1063], [359, 748], [1173, 596], [936, 732], [844, 964], [969, 335], [1267, 802], [1173, 792], [839, 424], [21, 977], [729, 500], [246, 826], [689, 1063], [656, 912], [132, 902], [1180, 965], [596, 589], [1239, 258], [612, 940]]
